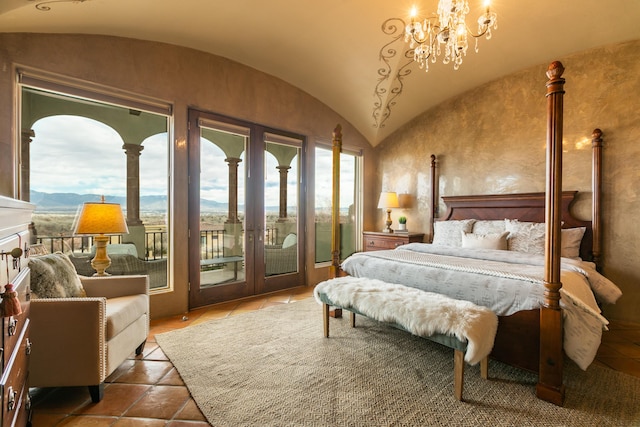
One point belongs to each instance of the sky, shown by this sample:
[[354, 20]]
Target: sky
[[71, 154]]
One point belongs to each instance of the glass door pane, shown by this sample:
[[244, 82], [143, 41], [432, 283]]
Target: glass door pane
[[281, 193], [222, 194], [221, 265], [349, 201]]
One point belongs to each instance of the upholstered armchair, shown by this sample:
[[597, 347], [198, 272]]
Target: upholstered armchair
[[81, 340], [280, 259], [126, 264]]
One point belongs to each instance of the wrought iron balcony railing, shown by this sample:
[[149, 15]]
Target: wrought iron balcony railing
[[211, 243]]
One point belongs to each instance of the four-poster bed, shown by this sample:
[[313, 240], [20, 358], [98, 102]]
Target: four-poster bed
[[532, 337]]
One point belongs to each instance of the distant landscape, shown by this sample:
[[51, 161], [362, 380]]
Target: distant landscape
[[69, 202], [55, 212]]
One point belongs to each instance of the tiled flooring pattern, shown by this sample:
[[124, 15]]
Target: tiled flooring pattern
[[146, 391]]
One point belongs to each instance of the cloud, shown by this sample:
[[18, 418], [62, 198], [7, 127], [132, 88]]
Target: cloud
[[71, 154]]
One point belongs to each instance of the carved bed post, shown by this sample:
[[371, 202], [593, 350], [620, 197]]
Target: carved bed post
[[335, 203], [434, 195], [596, 182], [550, 385]]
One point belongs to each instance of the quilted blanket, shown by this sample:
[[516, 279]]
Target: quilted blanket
[[503, 281]]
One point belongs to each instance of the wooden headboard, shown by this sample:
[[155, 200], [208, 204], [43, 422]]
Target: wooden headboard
[[522, 206]]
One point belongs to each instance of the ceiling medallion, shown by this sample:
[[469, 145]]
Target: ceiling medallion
[[43, 5]]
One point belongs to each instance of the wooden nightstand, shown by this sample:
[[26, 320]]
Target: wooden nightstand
[[377, 240]]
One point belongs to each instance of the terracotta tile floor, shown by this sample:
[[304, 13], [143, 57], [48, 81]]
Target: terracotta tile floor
[[146, 391]]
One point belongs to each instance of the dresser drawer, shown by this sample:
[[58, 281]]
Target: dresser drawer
[[13, 326], [13, 383], [375, 243], [15, 407]]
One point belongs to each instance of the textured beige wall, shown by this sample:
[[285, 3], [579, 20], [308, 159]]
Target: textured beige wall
[[492, 140], [186, 78]]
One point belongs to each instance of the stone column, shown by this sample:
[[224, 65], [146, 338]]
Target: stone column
[[133, 183], [233, 189], [232, 228], [25, 167], [284, 171]]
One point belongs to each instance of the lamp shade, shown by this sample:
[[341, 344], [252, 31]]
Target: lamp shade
[[100, 218], [388, 200]]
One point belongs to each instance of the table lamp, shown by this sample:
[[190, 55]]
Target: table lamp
[[100, 220], [388, 200]]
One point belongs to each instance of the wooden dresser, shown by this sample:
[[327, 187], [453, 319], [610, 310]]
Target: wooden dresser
[[377, 240], [15, 217]]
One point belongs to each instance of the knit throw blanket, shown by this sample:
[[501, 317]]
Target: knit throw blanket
[[419, 312]]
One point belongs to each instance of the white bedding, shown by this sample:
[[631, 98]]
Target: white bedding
[[504, 281]]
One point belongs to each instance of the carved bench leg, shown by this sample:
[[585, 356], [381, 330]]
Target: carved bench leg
[[458, 373], [325, 318], [484, 368]]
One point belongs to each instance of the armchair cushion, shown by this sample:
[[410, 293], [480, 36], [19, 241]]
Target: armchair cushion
[[289, 241], [123, 311], [54, 276]]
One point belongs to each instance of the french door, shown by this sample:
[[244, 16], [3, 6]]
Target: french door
[[244, 209]]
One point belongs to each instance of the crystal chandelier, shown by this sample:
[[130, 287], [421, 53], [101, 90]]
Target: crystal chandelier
[[446, 31]]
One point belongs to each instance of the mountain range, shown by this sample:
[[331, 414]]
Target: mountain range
[[69, 202]]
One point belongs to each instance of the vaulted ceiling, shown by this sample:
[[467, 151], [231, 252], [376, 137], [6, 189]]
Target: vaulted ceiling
[[331, 48]]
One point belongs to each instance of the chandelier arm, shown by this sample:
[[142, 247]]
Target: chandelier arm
[[43, 5], [434, 28], [476, 36]]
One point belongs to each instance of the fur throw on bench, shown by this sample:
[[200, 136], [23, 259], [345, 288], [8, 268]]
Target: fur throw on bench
[[419, 312]]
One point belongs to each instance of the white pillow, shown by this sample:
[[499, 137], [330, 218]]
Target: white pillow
[[447, 233], [571, 239], [525, 236], [485, 241], [289, 241], [488, 226]]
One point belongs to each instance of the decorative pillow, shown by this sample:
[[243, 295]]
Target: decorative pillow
[[488, 227], [525, 236], [485, 241], [571, 239], [53, 276], [289, 241], [448, 233]]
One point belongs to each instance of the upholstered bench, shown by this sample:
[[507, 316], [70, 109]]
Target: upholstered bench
[[461, 325]]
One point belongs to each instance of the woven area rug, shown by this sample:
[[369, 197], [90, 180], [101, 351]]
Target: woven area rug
[[274, 367]]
